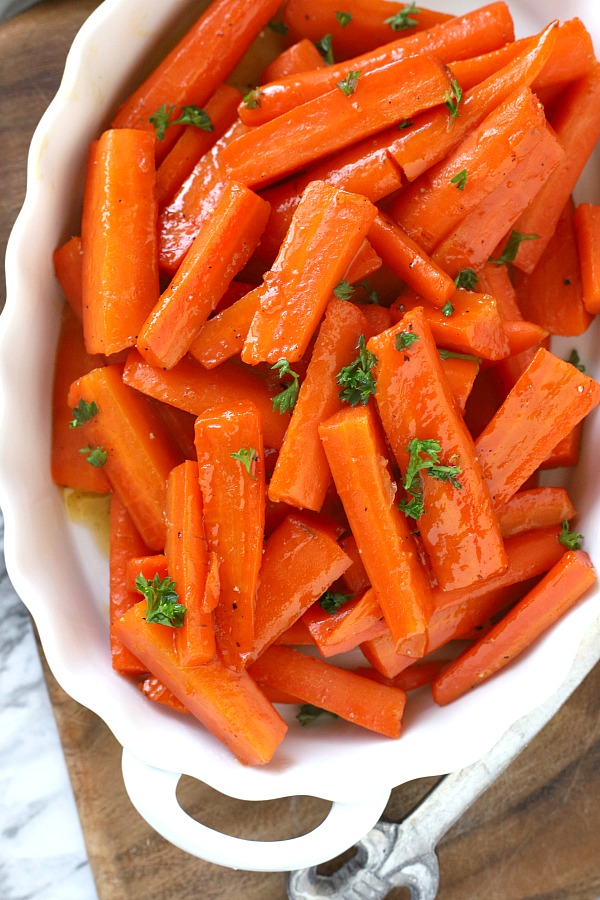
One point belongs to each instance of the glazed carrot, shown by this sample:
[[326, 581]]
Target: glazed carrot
[[301, 561], [557, 592], [355, 448], [566, 452], [460, 375], [371, 23], [535, 508], [435, 203], [227, 703], [327, 229], [148, 567], [476, 32], [523, 335], [355, 578], [577, 126], [430, 138], [180, 425], [378, 317], [571, 57], [139, 451], [302, 474], [182, 218], [377, 707], [188, 562], [194, 142], [364, 105], [68, 466], [198, 64], [475, 238], [231, 473], [365, 263], [68, 264], [457, 523], [406, 259], [119, 266], [495, 281], [552, 295], [124, 543], [217, 255], [548, 400], [587, 233], [223, 335], [355, 616], [474, 327], [300, 57], [417, 675], [296, 635], [155, 690], [192, 388]]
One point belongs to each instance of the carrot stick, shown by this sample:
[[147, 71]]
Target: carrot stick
[[147, 567], [429, 139], [566, 452], [355, 448], [192, 388], [223, 335], [460, 375], [435, 203], [365, 263], [577, 126], [300, 57], [495, 280], [300, 562], [194, 142], [227, 703], [355, 616], [548, 400], [125, 542], [377, 707], [217, 255], [155, 690], [68, 466], [68, 264], [231, 472], [355, 578], [369, 24], [587, 234], [119, 266], [473, 241], [198, 64], [296, 635], [327, 230], [523, 335], [556, 593], [474, 326], [180, 425], [535, 508], [366, 104], [188, 561], [457, 523], [415, 676], [477, 32], [406, 259], [139, 451], [302, 476]]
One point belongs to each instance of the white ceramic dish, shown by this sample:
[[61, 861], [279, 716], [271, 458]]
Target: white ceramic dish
[[62, 577]]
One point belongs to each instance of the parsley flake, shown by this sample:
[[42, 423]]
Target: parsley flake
[[460, 179], [569, 539], [325, 48], [453, 98], [405, 339], [467, 279], [348, 85], [160, 120], [286, 400], [344, 18], [252, 99], [447, 309], [511, 247], [405, 123], [344, 290], [194, 115], [424, 456], [163, 607], [401, 21], [83, 412], [246, 456], [308, 713], [372, 297], [96, 456], [574, 359], [357, 380], [279, 27], [450, 354], [332, 601]]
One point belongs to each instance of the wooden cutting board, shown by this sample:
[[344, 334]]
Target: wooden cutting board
[[536, 833]]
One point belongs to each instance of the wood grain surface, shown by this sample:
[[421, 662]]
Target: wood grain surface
[[536, 833]]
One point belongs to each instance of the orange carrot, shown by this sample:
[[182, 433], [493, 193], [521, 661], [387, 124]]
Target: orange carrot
[[68, 264], [327, 230], [354, 617], [361, 106], [435, 203], [587, 233], [548, 400], [231, 471], [557, 592], [155, 690], [192, 388], [365, 263], [180, 425], [218, 253], [566, 452], [68, 466], [227, 703], [355, 448], [223, 335], [355, 578], [148, 567], [139, 452], [300, 562], [495, 281], [296, 635], [124, 543], [460, 374], [188, 561], [415, 676], [456, 520], [194, 142], [535, 508], [476, 32], [300, 57], [302, 476], [523, 335], [377, 707], [119, 266]]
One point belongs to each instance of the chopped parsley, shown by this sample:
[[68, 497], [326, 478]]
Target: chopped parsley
[[246, 456], [252, 99], [569, 539], [308, 713], [344, 290], [460, 179], [453, 98], [286, 400], [163, 607], [325, 48], [348, 85], [344, 18], [402, 21], [279, 27], [450, 354], [424, 456], [447, 309], [357, 380], [190, 115], [331, 601], [405, 123], [83, 412], [574, 359], [511, 247], [467, 279], [96, 456], [405, 339]]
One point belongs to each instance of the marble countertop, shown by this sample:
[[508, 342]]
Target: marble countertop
[[42, 852]]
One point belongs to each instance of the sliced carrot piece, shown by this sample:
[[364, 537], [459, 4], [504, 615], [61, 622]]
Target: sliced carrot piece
[[147, 567], [68, 268], [587, 233], [125, 542], [299, 57], [535, 508]]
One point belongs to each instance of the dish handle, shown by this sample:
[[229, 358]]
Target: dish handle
[[153, 793]]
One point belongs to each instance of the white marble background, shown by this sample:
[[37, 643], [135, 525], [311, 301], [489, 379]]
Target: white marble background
[[42, 853]]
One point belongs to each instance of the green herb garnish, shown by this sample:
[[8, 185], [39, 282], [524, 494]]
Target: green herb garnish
[[357, 380], [190, 115], [569, 539], [405, 339], [450, 354], [453, 98], [286, 400], [574, 359], [424, 456], [83, 412], [325, 48], [279, 27], [466, 279], [332, 601], [511, 247], [344, 290], [405, 123], [308, 713], [246, 456], [95, 456], [460, 179], [402, 21], [343, 18], [252, 99], [447, 309], [163, 607], [348, 85]]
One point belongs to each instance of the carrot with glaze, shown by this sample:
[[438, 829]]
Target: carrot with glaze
[[535, 508], [148, 567], [587, 233], [68, 268], [299, 57], [125, 543]]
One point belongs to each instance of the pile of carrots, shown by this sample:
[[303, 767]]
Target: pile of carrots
[[306, 350]]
